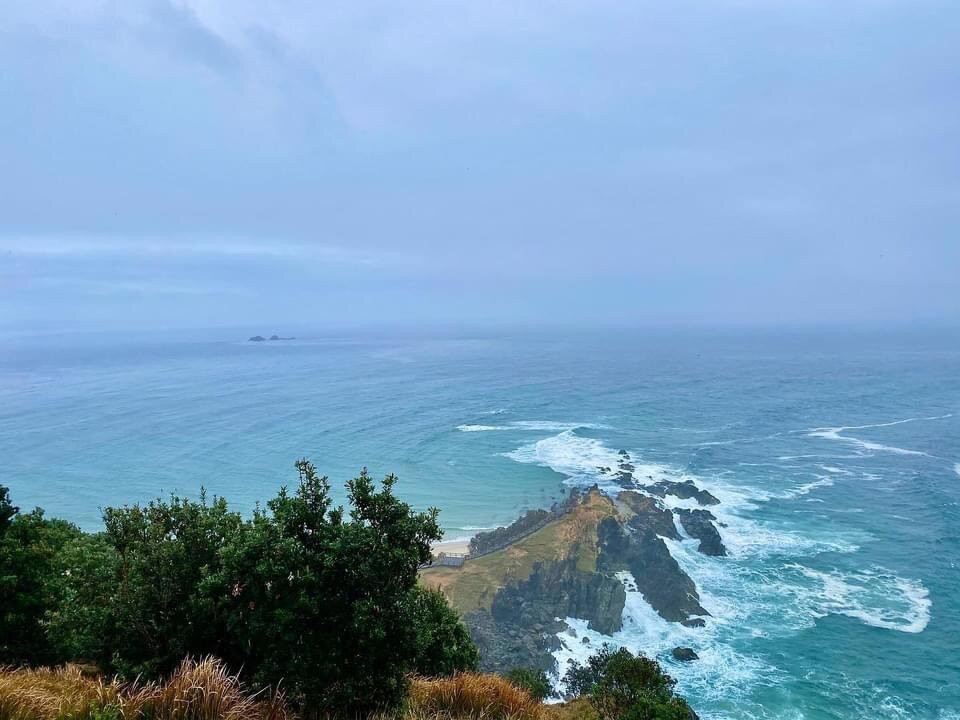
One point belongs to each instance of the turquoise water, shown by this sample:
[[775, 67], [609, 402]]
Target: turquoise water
[[837, 458]]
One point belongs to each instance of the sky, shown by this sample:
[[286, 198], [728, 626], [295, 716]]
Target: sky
[[217, 163]]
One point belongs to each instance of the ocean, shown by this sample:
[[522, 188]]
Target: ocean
[[836, 457]]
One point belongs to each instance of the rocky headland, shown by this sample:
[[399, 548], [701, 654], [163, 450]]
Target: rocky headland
[[520, 581]]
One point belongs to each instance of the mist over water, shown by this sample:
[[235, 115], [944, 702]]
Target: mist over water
[[836, 460]]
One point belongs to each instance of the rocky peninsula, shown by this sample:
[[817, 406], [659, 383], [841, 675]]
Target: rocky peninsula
[[519, 581]]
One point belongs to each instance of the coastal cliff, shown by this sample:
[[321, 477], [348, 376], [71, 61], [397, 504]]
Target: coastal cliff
[[578, 560]]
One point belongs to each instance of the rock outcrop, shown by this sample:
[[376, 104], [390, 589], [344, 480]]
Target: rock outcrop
[[683, 490], [699, 524], [650, 517], [570, 561], [664, 585], [684, 654], [561, 590]]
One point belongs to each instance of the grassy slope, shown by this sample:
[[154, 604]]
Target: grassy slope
[[473, 586]]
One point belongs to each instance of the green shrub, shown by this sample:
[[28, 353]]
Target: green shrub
[[443, 645], [318, 597], [321, 599], [159, 612], [30, 572], [621, 686], [532, 680], [7, 510]]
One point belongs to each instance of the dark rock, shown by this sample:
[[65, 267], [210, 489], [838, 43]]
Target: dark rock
[[624, 479], [504, 646], [698, 524], [664, 585], [585, 641], [257, 338], [623, 453], [684, 654], [650, 515], [694, 622], [559, 589], [683, 490]]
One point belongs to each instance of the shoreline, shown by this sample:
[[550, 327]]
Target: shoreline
[[459, 546]]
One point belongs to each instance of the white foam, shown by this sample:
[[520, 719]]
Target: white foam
[[538, 425], [580, 458], [821, 481], [834, 434], [720, 673], [834, 470], [956, 468], [551, 425], [576, 457], [876, 597]]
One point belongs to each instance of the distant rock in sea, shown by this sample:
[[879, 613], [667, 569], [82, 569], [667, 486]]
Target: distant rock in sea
[[261, 338]]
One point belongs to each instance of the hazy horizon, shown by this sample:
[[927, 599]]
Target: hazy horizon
[[202, 164]]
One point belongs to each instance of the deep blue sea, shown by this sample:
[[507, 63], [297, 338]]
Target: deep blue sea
[[836, 457]]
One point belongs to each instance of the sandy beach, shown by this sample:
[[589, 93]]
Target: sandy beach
[[459, 546]]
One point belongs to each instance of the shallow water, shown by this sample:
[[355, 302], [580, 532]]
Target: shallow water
[[837, 460]]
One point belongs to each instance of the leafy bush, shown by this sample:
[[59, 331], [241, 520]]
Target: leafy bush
[[30, 570], [532, 680], [7, 510], [443, 645], [81, 624], [324, 599], [621, 686], [159, 611]]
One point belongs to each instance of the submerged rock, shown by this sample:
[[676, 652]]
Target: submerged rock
[[684, 654], [699, 524]]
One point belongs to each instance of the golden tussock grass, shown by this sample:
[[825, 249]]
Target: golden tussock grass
[[206, 690], [470, 696], [202, 690]]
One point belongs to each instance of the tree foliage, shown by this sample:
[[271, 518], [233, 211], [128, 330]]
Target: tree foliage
[[621, 686], [30, 572], [443, 645], [532, 680], [322, 599]]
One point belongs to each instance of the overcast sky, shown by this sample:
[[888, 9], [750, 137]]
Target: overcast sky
[[195, 163]]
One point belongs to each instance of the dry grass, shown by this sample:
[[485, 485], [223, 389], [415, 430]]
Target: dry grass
[[202, 690], [53, 694], [205, 690], [470, 696]]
